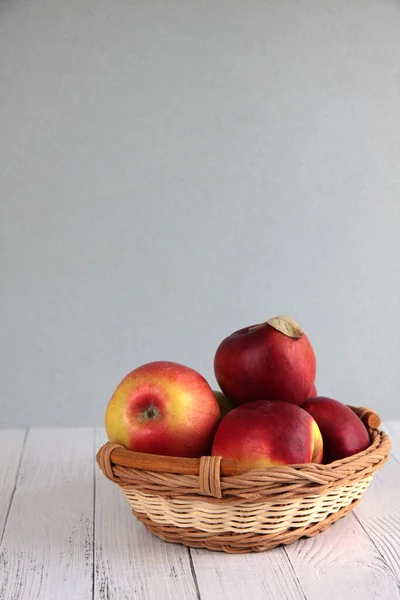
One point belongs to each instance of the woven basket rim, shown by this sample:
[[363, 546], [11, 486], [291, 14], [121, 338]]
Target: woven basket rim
[[208, 478], [122, 457], [380, 444]]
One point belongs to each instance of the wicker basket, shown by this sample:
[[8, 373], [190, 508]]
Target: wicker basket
[[208, 503]]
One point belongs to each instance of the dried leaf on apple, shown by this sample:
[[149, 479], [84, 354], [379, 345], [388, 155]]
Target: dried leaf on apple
[[287, 326]]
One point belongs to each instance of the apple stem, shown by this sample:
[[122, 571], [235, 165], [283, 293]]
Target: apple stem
[[151, 412]]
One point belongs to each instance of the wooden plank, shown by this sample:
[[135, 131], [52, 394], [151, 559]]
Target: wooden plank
[[379, 511], [342, 563], [259, 576], [129, 561], [11, 447], [48, 541], [354, 559]]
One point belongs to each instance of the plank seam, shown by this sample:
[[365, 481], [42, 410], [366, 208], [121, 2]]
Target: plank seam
[[15, 484], [295, 574], [194, 575]]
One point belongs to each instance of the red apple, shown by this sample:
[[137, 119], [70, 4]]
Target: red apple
[[343, 432], [269, 361], [163, 408], [268, 433], [225, 405]]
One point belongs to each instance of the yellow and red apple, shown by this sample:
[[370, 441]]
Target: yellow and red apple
[[163, 408], [266, 433]]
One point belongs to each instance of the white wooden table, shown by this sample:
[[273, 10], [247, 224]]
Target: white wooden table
[[68, 533]]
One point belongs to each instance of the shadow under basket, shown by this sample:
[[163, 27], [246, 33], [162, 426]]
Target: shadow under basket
[[207, 503]]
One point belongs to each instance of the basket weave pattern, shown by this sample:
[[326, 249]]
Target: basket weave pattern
[[245, 512]]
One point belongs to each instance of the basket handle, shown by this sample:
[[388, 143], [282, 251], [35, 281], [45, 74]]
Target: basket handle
[[118, 455], [367, 416]]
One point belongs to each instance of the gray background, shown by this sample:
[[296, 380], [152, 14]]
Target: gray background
[[172, 171]]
